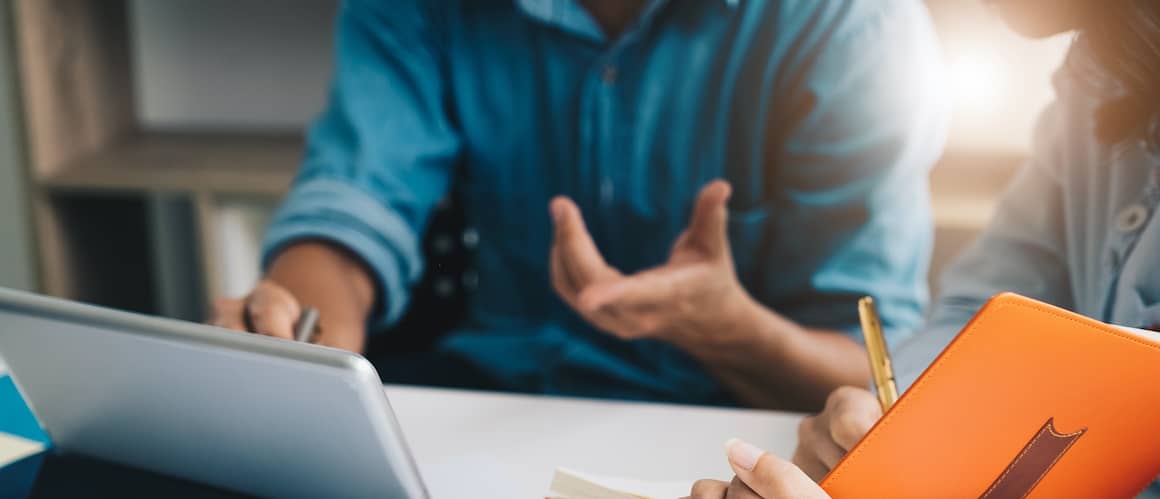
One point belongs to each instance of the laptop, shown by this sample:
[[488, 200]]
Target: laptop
[[243, 412]]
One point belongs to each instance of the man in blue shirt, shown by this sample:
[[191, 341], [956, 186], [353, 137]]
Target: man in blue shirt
[[820, 115]]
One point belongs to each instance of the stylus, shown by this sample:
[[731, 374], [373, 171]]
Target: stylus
[[307, 324]]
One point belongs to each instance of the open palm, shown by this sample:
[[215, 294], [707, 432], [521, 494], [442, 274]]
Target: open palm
[[680, 301]]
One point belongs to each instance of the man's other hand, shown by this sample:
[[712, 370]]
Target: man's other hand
[[269, 310]]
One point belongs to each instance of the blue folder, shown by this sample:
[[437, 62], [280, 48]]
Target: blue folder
[[17, 478]]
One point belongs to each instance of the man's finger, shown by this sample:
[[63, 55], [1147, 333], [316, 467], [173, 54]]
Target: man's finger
[[610, 321], [770, 476], [227, 313], [273, 311], [651, 289], [851, 412], [561, 282], [624, 324], [578, 254], [709, 227]]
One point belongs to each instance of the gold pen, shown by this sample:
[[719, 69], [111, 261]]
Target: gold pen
[[879, 355]]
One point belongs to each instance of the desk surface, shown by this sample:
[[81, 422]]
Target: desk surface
[[484, 445]]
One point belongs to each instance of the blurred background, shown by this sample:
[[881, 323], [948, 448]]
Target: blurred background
[[144, 143]]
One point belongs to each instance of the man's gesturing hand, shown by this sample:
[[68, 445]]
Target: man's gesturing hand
[[691, 300]]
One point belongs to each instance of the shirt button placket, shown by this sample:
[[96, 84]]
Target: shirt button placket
[[608, 76]]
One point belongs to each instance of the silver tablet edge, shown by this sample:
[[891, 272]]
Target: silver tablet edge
[[133, 323]]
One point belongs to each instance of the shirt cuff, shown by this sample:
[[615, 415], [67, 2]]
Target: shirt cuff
[[340, 213]]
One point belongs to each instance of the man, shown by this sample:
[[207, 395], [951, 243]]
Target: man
[[818, 114]]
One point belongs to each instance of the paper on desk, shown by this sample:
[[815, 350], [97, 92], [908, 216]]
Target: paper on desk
[[572, 484], [14, 448]]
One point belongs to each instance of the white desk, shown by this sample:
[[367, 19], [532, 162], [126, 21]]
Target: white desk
[[486, 445]]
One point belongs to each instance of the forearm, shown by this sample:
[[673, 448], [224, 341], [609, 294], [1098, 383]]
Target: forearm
[[781, 365], [335, 282]]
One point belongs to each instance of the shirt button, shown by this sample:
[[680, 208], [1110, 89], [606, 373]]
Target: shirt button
[[443, 244], [444, 287], [607, 191], [470, 280], [470, 238], [1132, 218], [609, 74]]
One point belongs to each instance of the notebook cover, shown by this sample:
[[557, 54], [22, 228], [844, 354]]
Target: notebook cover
[[1028, 401]]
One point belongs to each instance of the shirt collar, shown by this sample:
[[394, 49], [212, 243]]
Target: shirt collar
[[535, 7], [573, 17], [568, 15]]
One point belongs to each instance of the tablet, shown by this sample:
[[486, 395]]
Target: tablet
[[248, 413]]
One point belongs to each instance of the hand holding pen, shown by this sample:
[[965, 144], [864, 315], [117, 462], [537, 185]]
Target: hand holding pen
[[270, 311]]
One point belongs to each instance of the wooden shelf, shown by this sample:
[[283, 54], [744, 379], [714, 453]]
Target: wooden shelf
[[172, 162], [109, 194]]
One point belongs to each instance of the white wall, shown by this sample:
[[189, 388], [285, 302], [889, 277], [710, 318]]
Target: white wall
[[233, 64], [241, 64], [17, 261], [240, 224]]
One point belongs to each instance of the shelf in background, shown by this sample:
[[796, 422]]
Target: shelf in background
[[178, 162]]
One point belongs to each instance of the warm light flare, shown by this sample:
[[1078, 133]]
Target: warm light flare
[[974, 82]]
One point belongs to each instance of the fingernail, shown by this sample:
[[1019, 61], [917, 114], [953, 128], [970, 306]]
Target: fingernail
[[742, 454]]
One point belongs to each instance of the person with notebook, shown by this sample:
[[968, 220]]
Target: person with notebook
[[627, 109], [1076, 228]]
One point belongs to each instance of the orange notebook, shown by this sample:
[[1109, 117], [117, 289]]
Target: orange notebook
[[1028, 401]]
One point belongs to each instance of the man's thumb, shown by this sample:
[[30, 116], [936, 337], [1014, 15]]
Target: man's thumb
[[709, 228]]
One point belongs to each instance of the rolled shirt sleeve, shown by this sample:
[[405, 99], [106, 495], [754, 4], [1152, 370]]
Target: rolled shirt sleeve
[[380, 156], [853, 170]]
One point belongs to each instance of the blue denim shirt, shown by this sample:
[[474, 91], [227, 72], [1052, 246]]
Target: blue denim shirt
[[821, 113], [1076, 228]]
